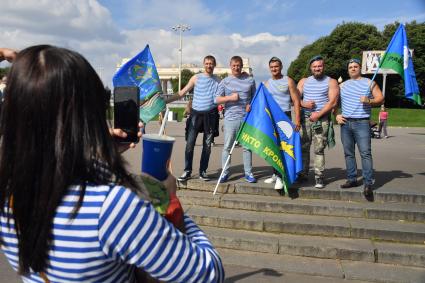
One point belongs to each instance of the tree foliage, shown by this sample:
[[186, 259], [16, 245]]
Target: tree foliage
[[4, 71], [222, 76], [186, 75], [346, 41], [349, 40]]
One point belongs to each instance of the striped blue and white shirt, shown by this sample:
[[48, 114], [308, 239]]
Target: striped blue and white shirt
[[351, 91], [244, 85], [114, 231], [204, 92], [316, 90], [279, 89]]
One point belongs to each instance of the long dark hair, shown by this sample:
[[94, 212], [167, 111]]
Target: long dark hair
[[53, 134]]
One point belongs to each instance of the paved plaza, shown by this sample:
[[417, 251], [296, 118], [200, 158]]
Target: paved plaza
[[399, 163]]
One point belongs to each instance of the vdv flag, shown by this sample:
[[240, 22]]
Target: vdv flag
[[141, 71], [268, 132], [398, 58]]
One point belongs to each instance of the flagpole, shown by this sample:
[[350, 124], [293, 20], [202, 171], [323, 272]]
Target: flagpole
[[225, 165], [384, 83], [164, 121]]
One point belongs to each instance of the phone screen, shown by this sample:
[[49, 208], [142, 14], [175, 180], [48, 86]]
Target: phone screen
[[126, 112]]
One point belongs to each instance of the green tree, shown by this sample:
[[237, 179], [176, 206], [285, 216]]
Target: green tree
[[4, 71], [346, 41], [186, 75], [349, 40], [224, 75]]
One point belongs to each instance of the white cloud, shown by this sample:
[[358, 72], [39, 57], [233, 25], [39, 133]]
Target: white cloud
[[65, 20], [88, 28]]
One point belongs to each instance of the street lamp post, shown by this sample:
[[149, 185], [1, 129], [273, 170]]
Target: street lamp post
[[180, 28]]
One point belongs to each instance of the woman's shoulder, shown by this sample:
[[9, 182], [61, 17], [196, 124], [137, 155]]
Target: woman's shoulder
[[98, 193]]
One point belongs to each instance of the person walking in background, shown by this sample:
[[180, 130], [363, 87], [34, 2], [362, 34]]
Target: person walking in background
[[235, 92], [70, 211], [284, 92], [358, 95], [203, 117], [319, 96], [383, 118]]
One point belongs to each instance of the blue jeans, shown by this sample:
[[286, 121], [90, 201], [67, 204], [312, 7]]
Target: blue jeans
[[357, 132], [190, 146], [231, 129]]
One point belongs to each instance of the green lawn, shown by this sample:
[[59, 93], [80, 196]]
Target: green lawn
[[397, 117], [400, 117]]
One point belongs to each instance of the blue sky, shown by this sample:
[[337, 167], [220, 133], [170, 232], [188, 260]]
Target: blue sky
[[105, 31]]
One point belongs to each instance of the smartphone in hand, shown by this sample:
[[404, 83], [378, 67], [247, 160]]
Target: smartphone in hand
[[126, 112]]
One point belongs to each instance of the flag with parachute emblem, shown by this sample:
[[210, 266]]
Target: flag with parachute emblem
[[268, 132], [398, 58], [141, 71]]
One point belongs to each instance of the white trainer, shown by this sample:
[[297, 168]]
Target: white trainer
[[319, 183], [271, 180], [279, 184]]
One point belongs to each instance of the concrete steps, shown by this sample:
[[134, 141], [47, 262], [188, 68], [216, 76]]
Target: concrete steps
[[331, 232], [342, 269], [330, 226], [399, 194], [386, 211], [364, 250]]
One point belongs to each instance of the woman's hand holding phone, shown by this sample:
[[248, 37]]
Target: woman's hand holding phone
[[121, 134]]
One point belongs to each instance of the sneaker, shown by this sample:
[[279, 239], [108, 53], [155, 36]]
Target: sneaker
[[319, 183], [386, 137], [203, 176], [250, 178], [224, 178], [271, 180], [185, 176], [279, 184], [349, 184]]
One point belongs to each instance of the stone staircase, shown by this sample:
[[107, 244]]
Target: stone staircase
[[329, 232]]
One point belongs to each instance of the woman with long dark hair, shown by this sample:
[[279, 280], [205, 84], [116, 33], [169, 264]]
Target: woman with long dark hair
[[71, 212]]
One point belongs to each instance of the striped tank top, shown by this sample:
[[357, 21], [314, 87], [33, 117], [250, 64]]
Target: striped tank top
[[113, 232], [351, 91], [204, 92], [279, 90], [316, 90]]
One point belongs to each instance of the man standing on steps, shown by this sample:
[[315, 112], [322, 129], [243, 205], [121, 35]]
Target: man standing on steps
[[319, 96], [358, 95], [235, 92], [203, 117], [284, 92]]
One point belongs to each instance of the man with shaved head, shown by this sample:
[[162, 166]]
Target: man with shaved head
[[319, 96]]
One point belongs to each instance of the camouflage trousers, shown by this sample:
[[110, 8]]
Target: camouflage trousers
[[316, 133]]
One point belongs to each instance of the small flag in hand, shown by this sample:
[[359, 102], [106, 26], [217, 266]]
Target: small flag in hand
[[141, 71]]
